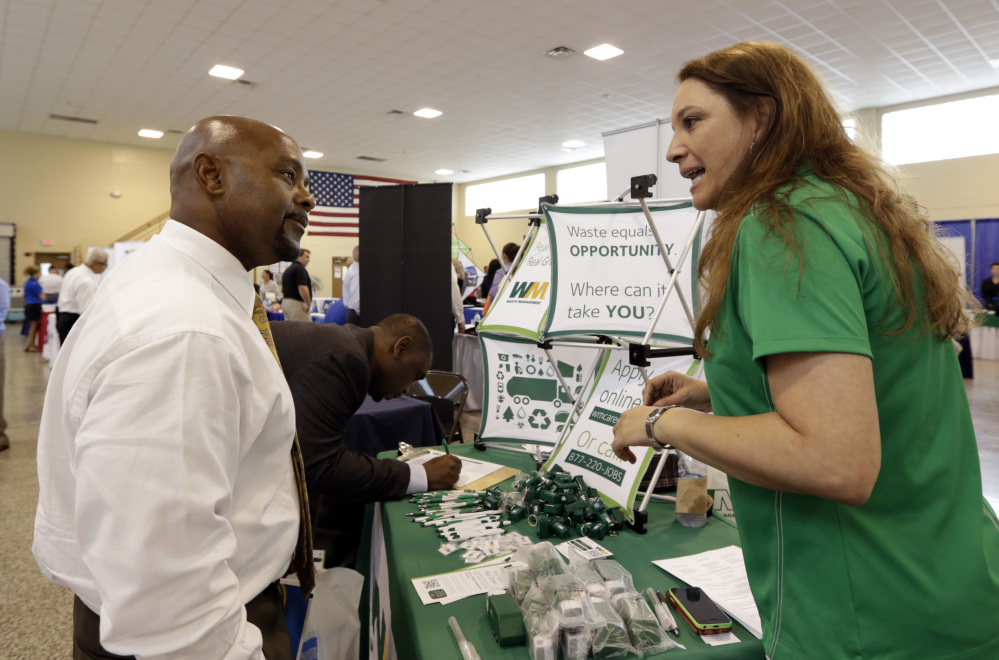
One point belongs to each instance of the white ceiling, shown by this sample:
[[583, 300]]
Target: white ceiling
[[329, 71]]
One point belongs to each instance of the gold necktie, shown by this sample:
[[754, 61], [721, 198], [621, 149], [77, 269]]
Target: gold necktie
[[302, 561]]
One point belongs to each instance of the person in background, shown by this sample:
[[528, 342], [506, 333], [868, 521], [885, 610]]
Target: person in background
[[840, 413], [297, 289], [352, 288], [269, 286], [4, 308], [78, 288], [329, 369], [166, 463], [487, 279], [32, 306], [459, 271], [457, 308], [509, 253], [990, 289], [51, 283]]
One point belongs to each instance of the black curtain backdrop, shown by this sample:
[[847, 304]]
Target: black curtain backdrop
[[405, 244]]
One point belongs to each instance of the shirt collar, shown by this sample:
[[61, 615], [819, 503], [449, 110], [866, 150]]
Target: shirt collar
[[214, 258]]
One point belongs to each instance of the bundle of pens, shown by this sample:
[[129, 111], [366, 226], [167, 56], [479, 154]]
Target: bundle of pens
[[467, 520]]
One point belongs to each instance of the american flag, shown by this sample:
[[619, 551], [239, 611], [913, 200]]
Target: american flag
[[337, 198]]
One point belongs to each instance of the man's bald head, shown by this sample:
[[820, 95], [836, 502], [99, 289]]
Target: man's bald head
[[402, 355], [244, 184]]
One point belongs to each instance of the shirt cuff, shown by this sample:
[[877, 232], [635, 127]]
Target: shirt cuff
[[417, 479]]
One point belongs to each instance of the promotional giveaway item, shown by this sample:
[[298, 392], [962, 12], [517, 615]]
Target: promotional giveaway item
[[587, 449]]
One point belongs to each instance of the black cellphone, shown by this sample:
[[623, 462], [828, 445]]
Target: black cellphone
[[703, 615]]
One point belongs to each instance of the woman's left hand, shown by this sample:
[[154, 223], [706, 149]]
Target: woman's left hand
[[630, 432]]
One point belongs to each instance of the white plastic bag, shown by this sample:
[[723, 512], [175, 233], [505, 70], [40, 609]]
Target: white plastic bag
[[332, 627]]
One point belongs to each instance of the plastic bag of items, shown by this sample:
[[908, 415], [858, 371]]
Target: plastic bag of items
[[617, 580], [586, 572], [647, 636], [521, 579], [610, 637], [541, 624], [545, 560]]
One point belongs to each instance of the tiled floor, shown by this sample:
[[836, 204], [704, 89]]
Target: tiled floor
[[35, 616]]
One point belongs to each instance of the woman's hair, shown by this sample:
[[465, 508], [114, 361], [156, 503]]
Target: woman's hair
[[510, 251], [494, 266], [270, 275], [800, 124], [31, 271]]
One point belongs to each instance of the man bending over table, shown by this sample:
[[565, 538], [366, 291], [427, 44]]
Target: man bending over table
[[329, 369]]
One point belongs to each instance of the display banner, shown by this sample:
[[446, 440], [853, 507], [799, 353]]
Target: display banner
[[520, 307], [523, 400], [381, 644], [609, 276], [587, 449]]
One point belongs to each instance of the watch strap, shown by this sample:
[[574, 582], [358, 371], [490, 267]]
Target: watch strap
[[650, 423]]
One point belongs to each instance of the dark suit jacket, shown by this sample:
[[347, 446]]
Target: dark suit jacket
[[328, 370]]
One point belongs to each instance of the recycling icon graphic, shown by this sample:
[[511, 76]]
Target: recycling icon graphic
[[539, 419]]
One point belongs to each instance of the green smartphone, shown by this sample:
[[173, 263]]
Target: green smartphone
[[700, 612]]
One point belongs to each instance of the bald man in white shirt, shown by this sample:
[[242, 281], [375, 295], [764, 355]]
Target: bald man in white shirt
[[77, 291], [168, 499]]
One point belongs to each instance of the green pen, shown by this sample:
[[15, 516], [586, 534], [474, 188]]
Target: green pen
[[447, 449]]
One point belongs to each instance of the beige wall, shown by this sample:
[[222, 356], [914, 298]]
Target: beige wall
[[60, 188], [958, 189], [502, 231]]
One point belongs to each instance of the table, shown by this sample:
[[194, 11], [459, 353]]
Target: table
[[466, 359], [420, 631], [381, 426], [985, 338]]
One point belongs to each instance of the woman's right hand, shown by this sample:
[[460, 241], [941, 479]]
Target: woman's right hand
[[675, 389]]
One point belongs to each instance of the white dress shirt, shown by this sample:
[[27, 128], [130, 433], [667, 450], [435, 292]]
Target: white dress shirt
[[272, 288], [352, 287], [51, 283], [78, 288], [457, 308], [167, 497]]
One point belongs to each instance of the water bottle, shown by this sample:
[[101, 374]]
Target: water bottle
[[689, 469], [475, 321]]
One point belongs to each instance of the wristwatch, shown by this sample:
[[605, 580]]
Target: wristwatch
[[650, 422]]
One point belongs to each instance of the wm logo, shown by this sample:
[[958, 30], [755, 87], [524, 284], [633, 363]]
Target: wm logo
[[529, 289]]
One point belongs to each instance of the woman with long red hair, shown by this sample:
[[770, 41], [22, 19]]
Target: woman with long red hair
[[840, 410]]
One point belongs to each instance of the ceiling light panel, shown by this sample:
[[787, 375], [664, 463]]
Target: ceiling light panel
[[428, 113], [603, 52], [227, 72], [150, 133]]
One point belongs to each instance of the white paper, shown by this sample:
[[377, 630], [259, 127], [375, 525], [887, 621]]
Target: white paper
[[471, 469], [585, 547], [449, 587], [721, 574], [720, 639]]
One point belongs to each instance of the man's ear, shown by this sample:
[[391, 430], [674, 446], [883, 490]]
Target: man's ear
[[208, 171], [401, 345]]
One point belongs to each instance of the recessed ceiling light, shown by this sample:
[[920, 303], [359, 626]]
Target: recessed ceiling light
[[603, 52], [150, 133], [228, 72], [573, 144], [444, 172], [312, 154], [994, 63], [428, 113]]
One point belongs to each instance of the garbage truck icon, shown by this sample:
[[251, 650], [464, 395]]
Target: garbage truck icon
[[524, 390]]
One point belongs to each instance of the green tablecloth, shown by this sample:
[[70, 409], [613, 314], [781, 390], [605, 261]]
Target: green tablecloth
[[989, 320], [421, 631]]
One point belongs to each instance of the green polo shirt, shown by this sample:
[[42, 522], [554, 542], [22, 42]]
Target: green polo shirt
[[914, 572]]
